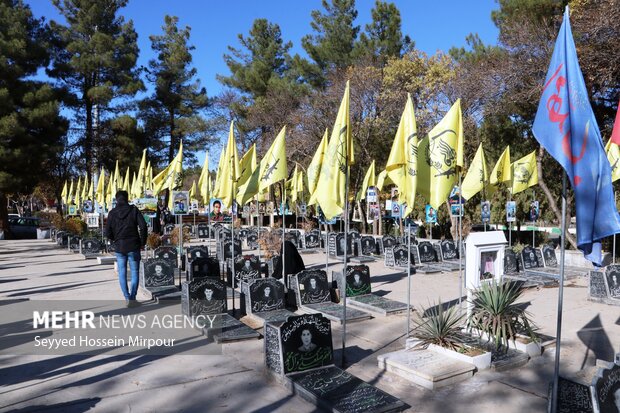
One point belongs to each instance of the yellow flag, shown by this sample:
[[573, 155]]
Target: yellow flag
[[291, 185], [383, 180], [117, 177], [109, 191], [204, 181], [127, 181], [148, 177], [70, 193], [78, 192], [230, 170], [272, 169], [64, 194], [401, 166], [139, 188], [613, 155], [501, 171], [524, 173], [84, 195], [134, 186], [339, 156], [314, 169], [370, 179], [91, 190], [440, 154], [477, 175], [100, 194], [247, 165], [192, 190], [169, 178], [218, 174]]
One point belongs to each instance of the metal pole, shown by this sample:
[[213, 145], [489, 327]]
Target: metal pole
[[326, 251], [180, 254], [558, 340], [460, 241], [232, 252], [284, 280], [613, 253], [408, 281], [344, 266]]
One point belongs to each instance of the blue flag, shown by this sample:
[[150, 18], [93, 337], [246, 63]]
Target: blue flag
[[565, 126]]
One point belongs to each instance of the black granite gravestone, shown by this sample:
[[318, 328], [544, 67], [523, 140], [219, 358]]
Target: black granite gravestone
[[312, 239], [367, 245], [264, 294], [203, 230], [227, 248], [573, 397], [400, 256], [252, 239], [548, 253], [197, 252], [606, 389], [388, 257], [243, 233], [354, 234], [529, 258], [612, 275], [189, 228], [110, 246], [597, 287], [90, 246], [437, 248], [166, 253], [62, 238], [427, 252], [203, 296], [340, 245], [387, 241], [313, 287], [247, 268], [169, 228], [203, 267], [74, 243], [449, 250], [539, 257], [510, 262], [415, 254], [358, 280], [156, 273]]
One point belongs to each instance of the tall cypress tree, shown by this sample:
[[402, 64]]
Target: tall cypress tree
[[95, 60], [173, 112], [31, 128]]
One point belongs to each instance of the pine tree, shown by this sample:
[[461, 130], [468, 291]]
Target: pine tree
[[173, 112], [95, 60], [31, 129]]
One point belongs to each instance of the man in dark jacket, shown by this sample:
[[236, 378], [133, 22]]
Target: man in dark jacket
[[127, 229]]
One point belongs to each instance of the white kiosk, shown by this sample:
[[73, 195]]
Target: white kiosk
[[484, 260]]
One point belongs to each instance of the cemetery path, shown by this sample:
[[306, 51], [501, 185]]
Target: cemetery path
[[235, 381]]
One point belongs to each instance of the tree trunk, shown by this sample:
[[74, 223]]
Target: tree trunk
[[552, 204], [4, 216]]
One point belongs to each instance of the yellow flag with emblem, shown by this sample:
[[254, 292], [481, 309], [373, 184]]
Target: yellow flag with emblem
[[230, 170], [613, 155], [502, 171], [84, 195], [247, 165], [100, 193], [218, 174], [383, 180], [401, 166], [272, 169], [524, 173], [64, 193], [148, 177], [440, 155], [127, 181], [192, 190], [204, 182], [370, 179], [314, 169], [477, 175], [169, 177], [330, 190], [139, 186], [78, 192]]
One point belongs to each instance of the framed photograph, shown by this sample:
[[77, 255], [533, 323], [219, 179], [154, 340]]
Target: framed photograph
[[371, 194], [511, 211], [180, 202], [485, 211], [534, 211], [456, 210], [431, 214]]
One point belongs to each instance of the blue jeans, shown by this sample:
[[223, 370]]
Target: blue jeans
[[134, 266]]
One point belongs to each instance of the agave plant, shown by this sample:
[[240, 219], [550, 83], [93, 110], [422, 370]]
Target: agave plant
[[495, 311], [442, 327]]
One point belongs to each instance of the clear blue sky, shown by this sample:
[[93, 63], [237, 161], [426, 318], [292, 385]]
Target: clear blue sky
[[433, 25]]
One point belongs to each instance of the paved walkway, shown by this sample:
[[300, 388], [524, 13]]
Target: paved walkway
[[235, 381]]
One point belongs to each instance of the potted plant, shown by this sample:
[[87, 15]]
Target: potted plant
[[497, 317], [441, 329]]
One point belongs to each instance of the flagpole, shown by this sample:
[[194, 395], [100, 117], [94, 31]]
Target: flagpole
[[408, 281], [346, 248], [460, 240], [534, 224], [232, 252], [558, 340], [613, 253], [284, 280]]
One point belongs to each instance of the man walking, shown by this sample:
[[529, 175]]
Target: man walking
[[127, 229]]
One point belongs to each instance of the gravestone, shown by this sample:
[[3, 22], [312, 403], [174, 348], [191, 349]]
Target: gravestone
[[110, 246], [312, 239], [597, 287], [156, 273], [264, 294], [203, 296], [427, 252], [539, 257], [400, 256], [252, 239], [331, 244], [606, 389], [169, 228], [166, 253], [203, 230], [449, 250], [313, 287], [548, 253], [227, 248], [247, 268], [367, 245], [437, 248], [197, 252], [510, 262], [573, 397], [612, 276], [203, 267], [340, 245], [189, 228], [529, 259], [62, 238], [358, 280], [388, 257], [74, 243], [415, 253], [216, 229], [387, 241], [90, 246], [243, 233]]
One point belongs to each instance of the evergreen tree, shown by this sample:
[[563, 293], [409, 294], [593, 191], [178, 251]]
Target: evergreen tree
[[383, 37], [31, 129], [332, 45], [173, 112], [95, 60]]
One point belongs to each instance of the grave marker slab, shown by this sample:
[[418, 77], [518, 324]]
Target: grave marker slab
[[197, 252], [539, 257], [549, 257], [387, 241], [529, 258], [252, 239], [74, 243], [90, 246], [247, 268], [227, 248], [156, 273], [224, 329], [166, 253], [449, 250], [612, 276], [312, 287], [203, 230], [510, 261], [606, 389], [203, 267], [427, 252], [203, 296], [264, 294], [437, 248], [573, 397], [312, 239], [367, 245]]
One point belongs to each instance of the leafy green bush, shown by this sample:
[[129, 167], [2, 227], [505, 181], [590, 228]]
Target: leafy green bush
[[442, 327], [496, 312]]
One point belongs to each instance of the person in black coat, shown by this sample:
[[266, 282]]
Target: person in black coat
[[293, 263], [127, 228]]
